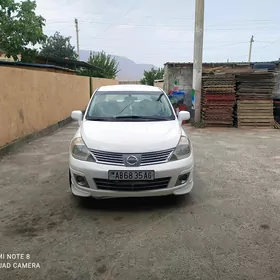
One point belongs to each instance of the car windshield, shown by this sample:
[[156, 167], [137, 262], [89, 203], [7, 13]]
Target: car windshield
[[130, 106]]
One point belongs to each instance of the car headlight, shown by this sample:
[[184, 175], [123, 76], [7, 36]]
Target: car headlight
[[183, 149], [79, 150]]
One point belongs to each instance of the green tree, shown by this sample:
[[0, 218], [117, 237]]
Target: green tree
[[29, 55], [151, 75], [108, 65], [20, 27], [58, 46]]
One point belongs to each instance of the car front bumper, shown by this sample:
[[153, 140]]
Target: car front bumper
[[92, 170]]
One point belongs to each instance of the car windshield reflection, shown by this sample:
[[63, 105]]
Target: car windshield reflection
[[130, 106]]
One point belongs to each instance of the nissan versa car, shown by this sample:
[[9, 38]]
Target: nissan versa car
[[130, 143]]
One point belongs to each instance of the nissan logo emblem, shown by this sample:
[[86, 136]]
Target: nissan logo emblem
[[131, 160]]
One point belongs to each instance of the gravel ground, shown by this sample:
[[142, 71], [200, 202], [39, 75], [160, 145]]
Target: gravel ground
[[228, 228]]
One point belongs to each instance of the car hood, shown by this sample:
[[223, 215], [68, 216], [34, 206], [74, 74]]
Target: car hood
[[131, 137]]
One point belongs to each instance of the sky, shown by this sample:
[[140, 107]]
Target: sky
[[154, 31]]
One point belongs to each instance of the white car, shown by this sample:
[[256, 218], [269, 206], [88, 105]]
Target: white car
[[130, 143]]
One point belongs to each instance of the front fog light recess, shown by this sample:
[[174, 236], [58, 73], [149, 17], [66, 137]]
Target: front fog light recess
[[182, 179], [81, 181]]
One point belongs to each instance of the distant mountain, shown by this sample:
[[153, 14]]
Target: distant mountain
[[129, 70]]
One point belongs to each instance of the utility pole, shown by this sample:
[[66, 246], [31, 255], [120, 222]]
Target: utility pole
[[250, 50], [197, 57], [77, 37]]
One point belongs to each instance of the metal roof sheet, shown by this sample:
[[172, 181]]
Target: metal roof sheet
[[27, 64]]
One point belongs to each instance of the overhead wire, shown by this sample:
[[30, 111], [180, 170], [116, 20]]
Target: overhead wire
[[262, 25], [149, 25], [111, 25], [207, 45], [179, 27], [240, 22], [271, 43]]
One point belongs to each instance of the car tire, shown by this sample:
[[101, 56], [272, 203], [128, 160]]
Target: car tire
[[70, 179]]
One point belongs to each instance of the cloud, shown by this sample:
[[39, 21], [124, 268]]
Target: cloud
[[123, 26], [159, 31]]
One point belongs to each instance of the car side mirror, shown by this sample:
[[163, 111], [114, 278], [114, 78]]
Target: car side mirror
[[77, 116], [183, 116]]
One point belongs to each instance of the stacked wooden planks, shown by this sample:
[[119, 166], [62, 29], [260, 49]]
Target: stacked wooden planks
[[255, 99], [218, 99]]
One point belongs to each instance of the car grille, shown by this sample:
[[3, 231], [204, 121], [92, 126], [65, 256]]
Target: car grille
[[118, 158], [108, 158], [155, 157], [114, 185]]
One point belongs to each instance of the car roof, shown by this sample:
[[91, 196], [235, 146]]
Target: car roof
[[129, 88]]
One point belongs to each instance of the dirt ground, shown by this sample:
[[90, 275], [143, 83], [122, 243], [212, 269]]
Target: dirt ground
[[227, 229]]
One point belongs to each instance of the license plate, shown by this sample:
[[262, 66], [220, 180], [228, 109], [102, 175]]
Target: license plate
[[131, 175]]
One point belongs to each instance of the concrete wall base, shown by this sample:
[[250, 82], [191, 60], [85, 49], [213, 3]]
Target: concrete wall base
[[12, 147]]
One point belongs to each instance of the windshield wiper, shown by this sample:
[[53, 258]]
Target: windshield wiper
[[128, 117], [159, 98], [142, 118], [99, 119], [125, 107]]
